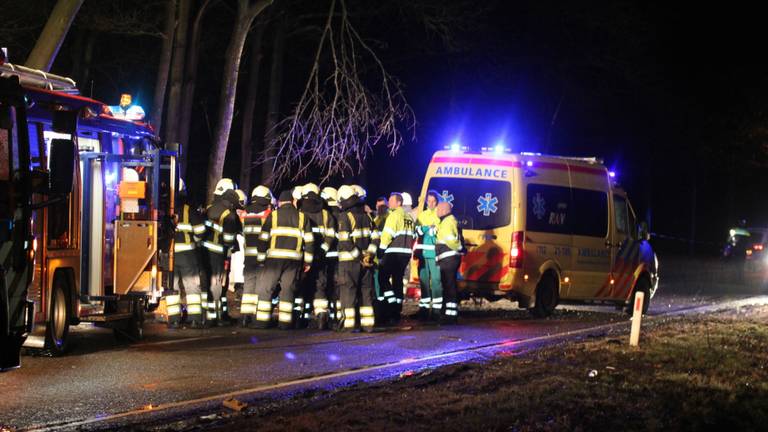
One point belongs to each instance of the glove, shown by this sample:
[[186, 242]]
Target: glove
[[368, 261]]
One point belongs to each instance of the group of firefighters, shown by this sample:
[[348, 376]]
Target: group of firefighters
[[320, 258]]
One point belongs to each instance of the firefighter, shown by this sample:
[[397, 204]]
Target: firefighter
[[394, 255], [286, 237], [378, 221], [256, 213], [223, 226], [429, 273], [357, 249], [313, 285], [330, 195], [448, 248], [190, 228]]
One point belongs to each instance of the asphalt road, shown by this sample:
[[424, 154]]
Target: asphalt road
[[100, 377]]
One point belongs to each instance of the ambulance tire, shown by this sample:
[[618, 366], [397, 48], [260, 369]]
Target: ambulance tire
[[547, 297], [644, 286], [57, 327]]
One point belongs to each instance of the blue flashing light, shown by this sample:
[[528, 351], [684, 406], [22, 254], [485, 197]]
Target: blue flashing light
[[612, 174], [498, 148], [529, 164], [455, 147], [290, 356]]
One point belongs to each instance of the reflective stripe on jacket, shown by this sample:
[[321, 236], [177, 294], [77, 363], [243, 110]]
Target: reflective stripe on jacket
[[426, 224], [286, 234], [448, 241], [357, 236], [189, 229], [398, 234]]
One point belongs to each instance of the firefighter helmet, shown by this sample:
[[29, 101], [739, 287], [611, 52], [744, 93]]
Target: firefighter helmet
[[346, 192], [261, 192], [359, 191], [224, 185], [296, 193], [407, 200], [242, 198], [309, 187], [330, 195]]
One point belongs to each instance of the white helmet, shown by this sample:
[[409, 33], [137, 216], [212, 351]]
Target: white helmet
[[296, 193], [309, 187], [331, 195], [241, 197], [346, 192], [360, 191], [223, 185], [407, 200], [261, 192]]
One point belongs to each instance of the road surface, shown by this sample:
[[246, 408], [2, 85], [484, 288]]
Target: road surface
[[178, 370]]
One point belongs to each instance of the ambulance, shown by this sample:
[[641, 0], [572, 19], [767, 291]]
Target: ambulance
[[543, 230]]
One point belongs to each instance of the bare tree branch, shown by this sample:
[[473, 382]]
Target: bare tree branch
[[339, 119]]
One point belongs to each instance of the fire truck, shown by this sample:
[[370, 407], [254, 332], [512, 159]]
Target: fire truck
[[101, 251]]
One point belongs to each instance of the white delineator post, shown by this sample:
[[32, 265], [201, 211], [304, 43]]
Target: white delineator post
[[637, 316]]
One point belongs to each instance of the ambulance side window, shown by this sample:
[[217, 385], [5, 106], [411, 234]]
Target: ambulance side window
[[590, 215], [621, 215], [549, 209]]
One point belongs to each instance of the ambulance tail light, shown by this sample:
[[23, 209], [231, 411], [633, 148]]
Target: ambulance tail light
[[516, 251], [758, 247]]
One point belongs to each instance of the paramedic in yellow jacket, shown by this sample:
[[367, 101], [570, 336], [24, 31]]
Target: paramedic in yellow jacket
[[395, 250], [429, 273], [448, 249]]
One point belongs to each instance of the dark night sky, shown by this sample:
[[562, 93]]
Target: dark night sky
[[673, 96]]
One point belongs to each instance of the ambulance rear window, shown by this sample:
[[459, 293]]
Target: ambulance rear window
[[477, 204]]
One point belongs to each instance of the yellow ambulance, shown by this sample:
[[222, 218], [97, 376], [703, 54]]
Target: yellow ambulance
[[543, 230]]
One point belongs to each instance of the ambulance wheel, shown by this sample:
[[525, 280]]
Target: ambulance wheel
[[644, 286], [546, 297], [57, 327]]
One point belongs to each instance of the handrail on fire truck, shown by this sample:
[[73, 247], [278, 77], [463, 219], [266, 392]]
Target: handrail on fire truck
[[37, 78]]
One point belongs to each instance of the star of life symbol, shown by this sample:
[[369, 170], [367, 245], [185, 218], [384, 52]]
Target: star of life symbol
[[487, 204], [447, 197], [538, 206]]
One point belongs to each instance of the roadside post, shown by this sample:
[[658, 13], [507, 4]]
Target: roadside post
[[637, 316]]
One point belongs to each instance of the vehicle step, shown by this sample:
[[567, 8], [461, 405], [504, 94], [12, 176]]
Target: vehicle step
[[106, 317]]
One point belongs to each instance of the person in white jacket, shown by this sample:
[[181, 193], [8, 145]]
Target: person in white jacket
[[237, 262]]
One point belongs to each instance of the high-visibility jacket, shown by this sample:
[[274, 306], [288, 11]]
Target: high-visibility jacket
[[398, 234], [448, 240], [287, 235], [357, 235], [426, 227], [223, 225], [333, 250], [324, 229], [190, 229], [252, 224]]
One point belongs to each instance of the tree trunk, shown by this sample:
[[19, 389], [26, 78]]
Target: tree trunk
[[273, 109], [55, 30], [188, 90], [161, 81], [246, 140], [90, 44], [232, 57], [177, 74]]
